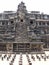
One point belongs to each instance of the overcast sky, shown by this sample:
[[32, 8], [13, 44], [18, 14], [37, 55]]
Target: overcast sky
[[32, 5]]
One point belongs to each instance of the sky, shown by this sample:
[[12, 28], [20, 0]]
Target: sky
[[31, 5]]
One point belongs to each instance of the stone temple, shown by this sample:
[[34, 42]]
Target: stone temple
[[24, 31]]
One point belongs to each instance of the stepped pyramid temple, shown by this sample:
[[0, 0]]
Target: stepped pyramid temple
[[24, 31]]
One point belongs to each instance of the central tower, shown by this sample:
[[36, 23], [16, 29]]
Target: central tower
[[21, 25]]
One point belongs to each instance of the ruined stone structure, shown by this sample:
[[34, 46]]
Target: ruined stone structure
[[24, 31]]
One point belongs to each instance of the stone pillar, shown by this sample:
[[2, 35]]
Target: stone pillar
[[30, 46]]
